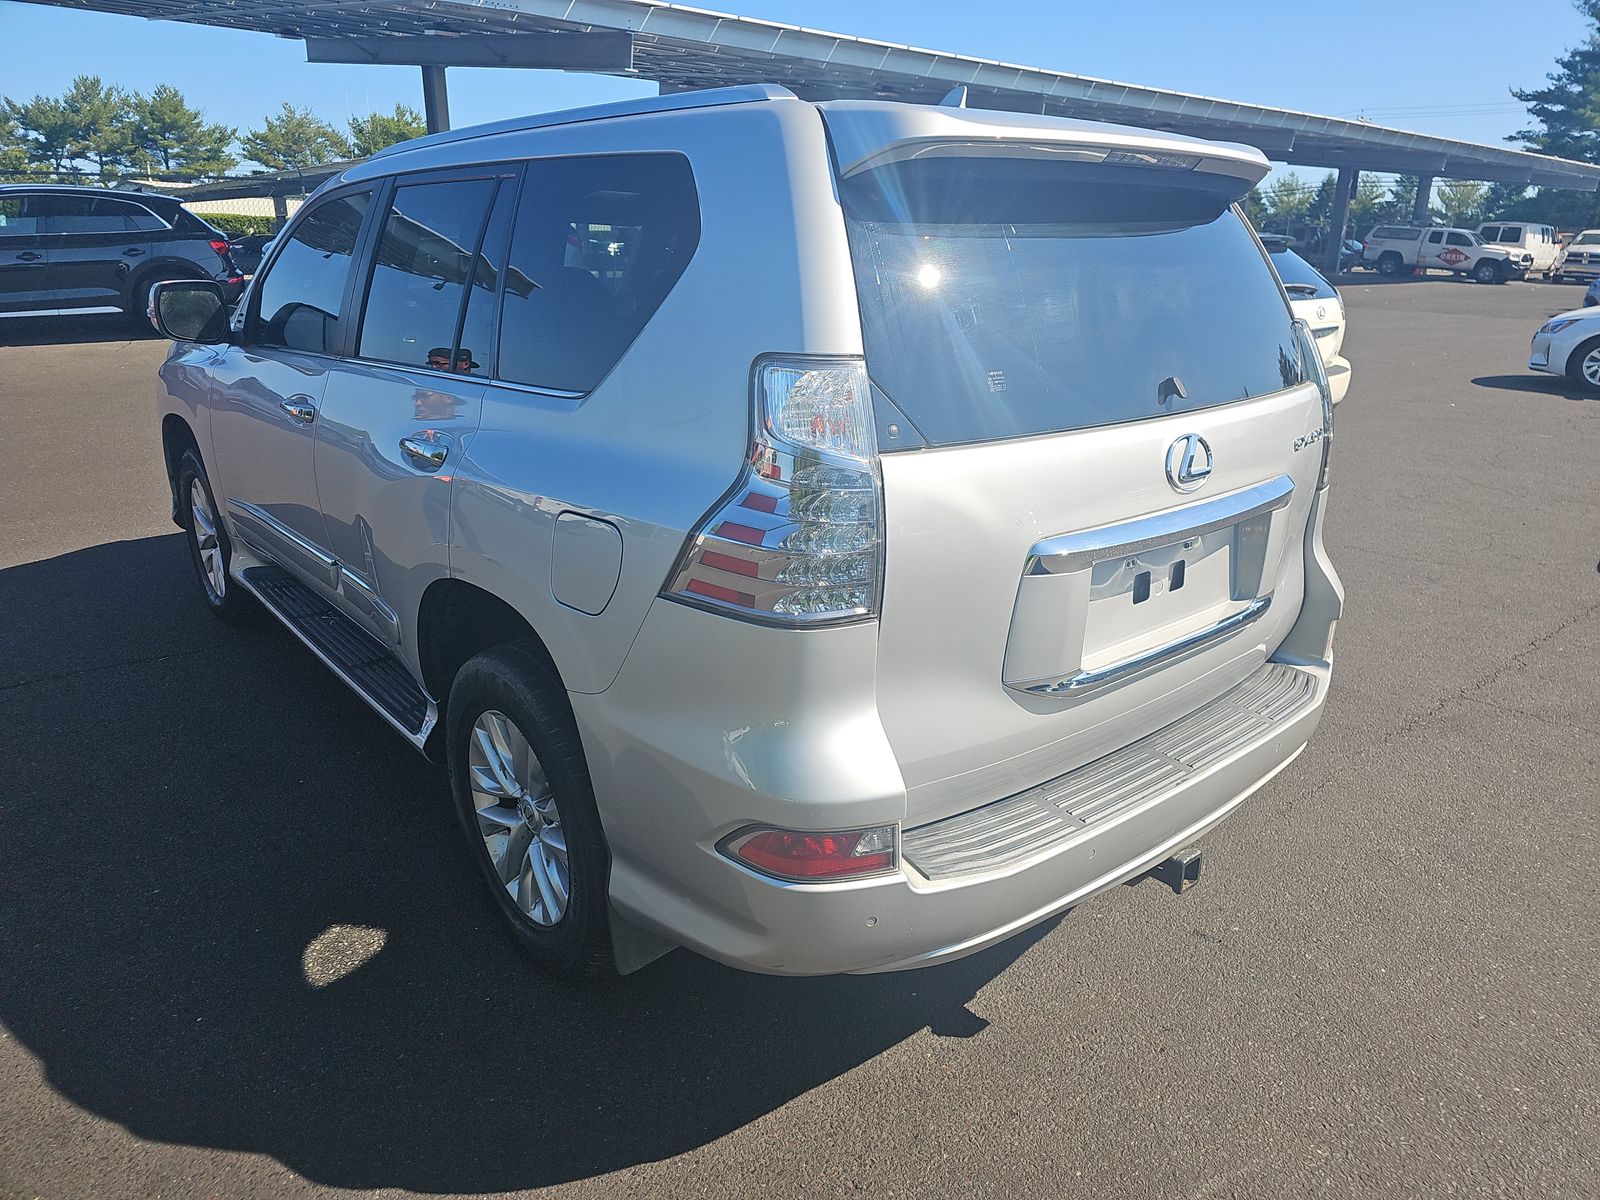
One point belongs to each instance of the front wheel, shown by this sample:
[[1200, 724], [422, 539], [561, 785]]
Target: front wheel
[[210, 549], [1583, 365], [1488, 272], [523, 795]]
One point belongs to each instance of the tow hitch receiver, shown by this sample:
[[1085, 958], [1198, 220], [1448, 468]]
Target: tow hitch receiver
[[1180, 872]]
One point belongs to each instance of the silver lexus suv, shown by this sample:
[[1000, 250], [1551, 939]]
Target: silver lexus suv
[[830, 537]]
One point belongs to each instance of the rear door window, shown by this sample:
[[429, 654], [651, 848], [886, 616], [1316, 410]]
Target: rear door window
[[420, 270], [300, 302], [1010, 297], [596, 246], [79, 215], [1458, 239], [18, 217]]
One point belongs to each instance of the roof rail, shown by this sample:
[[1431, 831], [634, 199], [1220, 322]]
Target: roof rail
[[748, 93]]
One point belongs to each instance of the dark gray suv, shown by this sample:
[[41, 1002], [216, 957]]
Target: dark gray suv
[[74, 250]]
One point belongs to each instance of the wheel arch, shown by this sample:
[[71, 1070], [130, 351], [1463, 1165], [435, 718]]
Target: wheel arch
[[176, 437], [170, 267], [457, 620], [1573, 367]]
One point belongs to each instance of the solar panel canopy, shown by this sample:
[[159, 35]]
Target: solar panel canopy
[[679, 47]]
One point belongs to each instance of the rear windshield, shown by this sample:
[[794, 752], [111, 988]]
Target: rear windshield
[[1007, 298], [1297, 275]]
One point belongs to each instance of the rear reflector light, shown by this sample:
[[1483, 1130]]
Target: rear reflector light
[[797, 540], [815, 857]]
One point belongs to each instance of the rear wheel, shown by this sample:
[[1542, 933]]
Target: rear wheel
[[1583, 365], [1389, 263], [523, 796]]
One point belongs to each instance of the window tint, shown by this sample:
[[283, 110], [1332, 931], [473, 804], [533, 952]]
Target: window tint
[[1490, 233], [1399, 233], [1436, 237], [597, 245], [1511, 233], [420, 270], [475, 354], [63, 214], [300, 301], [17, 218], [1298, 274], [1014, 297], [1458, 239]]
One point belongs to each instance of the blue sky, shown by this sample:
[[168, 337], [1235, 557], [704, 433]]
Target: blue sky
[[1435, 67]]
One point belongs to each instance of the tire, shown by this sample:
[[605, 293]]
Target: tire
[[210, 549], [1488, 272], [1389, 263], [1585, 352], [525, 802]]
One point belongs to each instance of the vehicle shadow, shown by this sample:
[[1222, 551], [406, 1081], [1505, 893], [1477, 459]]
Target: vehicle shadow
[[239, 915], [53, 331], [1535, 385]]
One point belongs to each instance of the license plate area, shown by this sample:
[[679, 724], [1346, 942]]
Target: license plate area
[[1101, 606], [1144, 600]]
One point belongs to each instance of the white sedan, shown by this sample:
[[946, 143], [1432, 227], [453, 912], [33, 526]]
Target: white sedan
[[1569, 344], [1318, 303]]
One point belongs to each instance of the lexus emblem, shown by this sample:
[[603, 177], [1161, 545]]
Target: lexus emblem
[[1188, 462]]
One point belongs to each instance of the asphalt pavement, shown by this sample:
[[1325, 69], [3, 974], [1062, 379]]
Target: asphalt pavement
[[242, 952]]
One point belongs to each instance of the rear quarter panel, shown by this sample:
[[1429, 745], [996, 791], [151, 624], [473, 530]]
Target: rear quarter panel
[[665, 433]]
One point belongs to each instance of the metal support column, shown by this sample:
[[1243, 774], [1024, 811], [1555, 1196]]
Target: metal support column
[[1423, 202], [1342, 192], [280, 212], [435, 99]]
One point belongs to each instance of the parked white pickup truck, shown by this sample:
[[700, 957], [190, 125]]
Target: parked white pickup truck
[[1397, 248]]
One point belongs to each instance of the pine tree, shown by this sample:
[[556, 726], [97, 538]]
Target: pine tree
[[373, 132], [102, 124], [295, 138], [47, 130], [1567, 111], [173, 137]]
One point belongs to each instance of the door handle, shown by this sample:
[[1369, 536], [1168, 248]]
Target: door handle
[[29, 256], [428, 456], [299, 410], [133, 251]]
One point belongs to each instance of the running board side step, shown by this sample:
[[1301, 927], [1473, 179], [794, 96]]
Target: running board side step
[[373, 672]]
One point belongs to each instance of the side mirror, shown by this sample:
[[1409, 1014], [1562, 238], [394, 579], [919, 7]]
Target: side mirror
[[189, 310]]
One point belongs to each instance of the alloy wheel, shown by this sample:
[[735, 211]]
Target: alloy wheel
[[208, 543], [1591, 367], [518, 819]]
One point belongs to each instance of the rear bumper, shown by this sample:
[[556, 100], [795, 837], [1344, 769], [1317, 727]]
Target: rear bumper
[[683, 753], [1339, 377]]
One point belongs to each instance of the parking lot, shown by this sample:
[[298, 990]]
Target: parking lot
[[1387, 985]]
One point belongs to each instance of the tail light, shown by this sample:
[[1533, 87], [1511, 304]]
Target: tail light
[[220, 246], [799, 538], [808, 857]]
